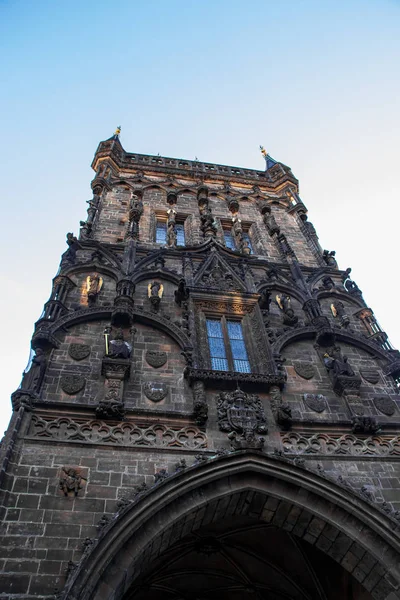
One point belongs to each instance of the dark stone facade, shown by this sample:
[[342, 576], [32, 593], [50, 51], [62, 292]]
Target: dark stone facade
[[125, 443]]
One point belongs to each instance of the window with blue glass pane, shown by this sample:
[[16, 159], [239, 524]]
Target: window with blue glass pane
[[180, 234], [239, 353], [161, 232], [216, 344], [247, 238], [229, 241]]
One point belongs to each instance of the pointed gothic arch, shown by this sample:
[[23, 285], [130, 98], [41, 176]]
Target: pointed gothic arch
[[316, 509]]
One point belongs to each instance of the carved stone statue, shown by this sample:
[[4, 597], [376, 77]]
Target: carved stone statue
[[69, 255], [289, 318], [94, 284], [208, 225], [32, 379], [339, 312], [135, 212], [337, 363], [155, 291], [118, 348], [329, 258], [171, 233], [70, 481], [270, 222]]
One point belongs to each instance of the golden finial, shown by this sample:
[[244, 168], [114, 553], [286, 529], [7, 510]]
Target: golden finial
[[118, 130], [263, 151]]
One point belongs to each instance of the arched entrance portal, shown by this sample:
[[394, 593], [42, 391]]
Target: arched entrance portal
[[245, 559], [253, 526]]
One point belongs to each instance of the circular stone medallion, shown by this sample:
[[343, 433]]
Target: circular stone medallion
[[304, 369], [155, 391], [79, 351], [72, 384], [156, 358], [385, 405]]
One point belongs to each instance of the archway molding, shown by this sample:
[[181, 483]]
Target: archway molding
[[354, 533]]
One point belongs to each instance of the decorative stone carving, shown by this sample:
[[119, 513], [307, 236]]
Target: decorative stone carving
[[117, 347], [329, 258], [340, 444], [123, 434], [32, 379], [243, 416], [155, 291], [385, 405], [155, 391], [220, 279], [339, 312], [71, 480], [317, 402], [79, 351], [280, 409], [269, 221], [156, 358], [230, 377], [69, 256], [72, 384], [349, 285], [110, 410], [370, 375], [200, 407], [289, 318], [135, 212], [304, 370], [94, 283], [345, 381], [364, 425]]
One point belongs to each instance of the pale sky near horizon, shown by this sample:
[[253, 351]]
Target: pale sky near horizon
[[315, 81]]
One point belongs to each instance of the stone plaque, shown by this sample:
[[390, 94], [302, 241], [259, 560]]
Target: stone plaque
[[385, 405], [370, 375], [72, 384], [304, 369], [155, 391], [79, 351], [156, 358], [317, 402]]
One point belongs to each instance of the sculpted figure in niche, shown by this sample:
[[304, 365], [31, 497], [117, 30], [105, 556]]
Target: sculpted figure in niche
[[289, 318], [155, 291], [94, 284], [338, 311], [270, 222], [32, 379], [118, 348], [337, 363], [171, 233]]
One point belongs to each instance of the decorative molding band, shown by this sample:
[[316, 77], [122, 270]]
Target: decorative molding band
[[347, 444], [205, 375], [124, 434]]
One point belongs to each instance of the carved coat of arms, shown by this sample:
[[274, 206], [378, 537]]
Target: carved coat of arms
[[79, 351], [243, 416], [72, 384], [304, 369], [156, 358], [385, 405], [370, 375], [155, 391], [316, 402]]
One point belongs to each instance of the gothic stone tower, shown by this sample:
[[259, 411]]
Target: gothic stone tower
[[211, 411]]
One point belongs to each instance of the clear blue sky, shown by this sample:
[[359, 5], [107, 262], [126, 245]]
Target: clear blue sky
[[315, 81]]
